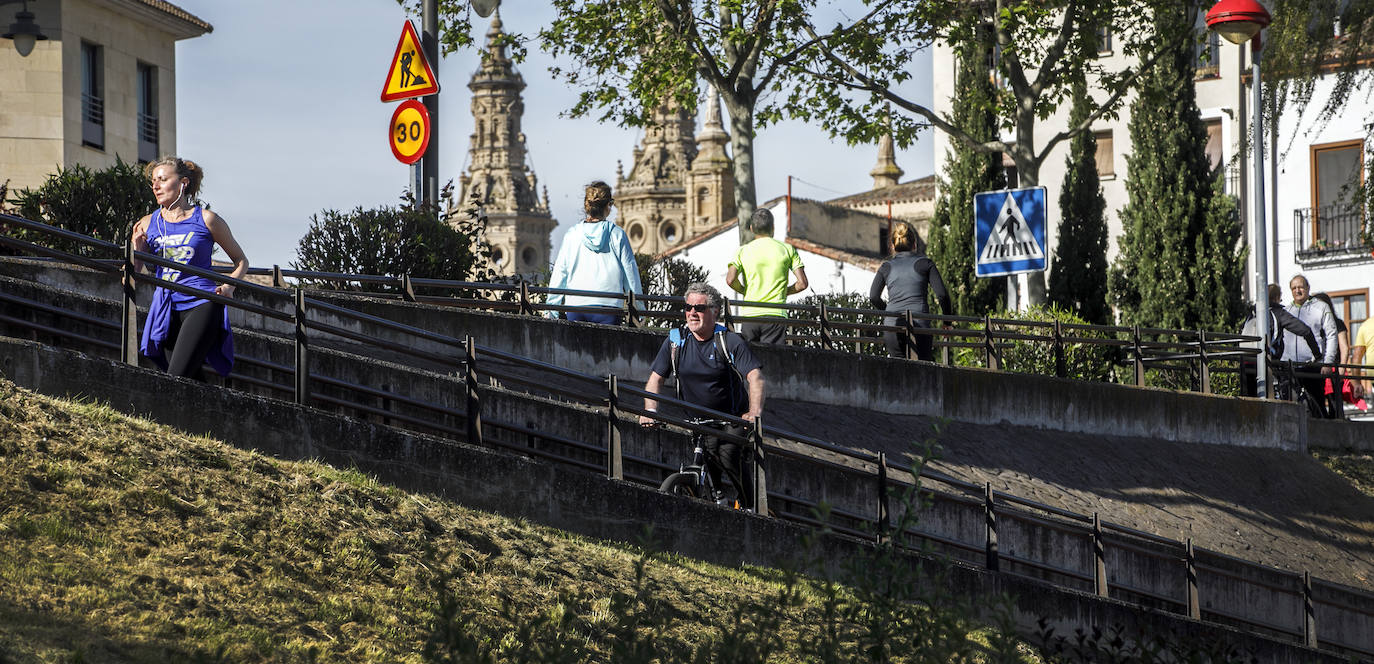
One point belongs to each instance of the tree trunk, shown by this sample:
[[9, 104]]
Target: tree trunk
[[1028, 175], [742, 144]]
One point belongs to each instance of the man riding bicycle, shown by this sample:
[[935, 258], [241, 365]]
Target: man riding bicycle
[[714, 369]]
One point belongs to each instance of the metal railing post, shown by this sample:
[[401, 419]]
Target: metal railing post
[[1309, 613], [910, 333], [1061, 368], [615, 462], [1139, 354], [760, 476], [989, 348], [407, 288], [474, 405], [1204, 372], [1190, 563], [990, 518], [1099, 558], [128, 320], [277, 280], [827, 339], [883, 516], [526, 307], [631, 310], [302, 350]]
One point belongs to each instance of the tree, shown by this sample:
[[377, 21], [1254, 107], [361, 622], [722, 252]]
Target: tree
[[1178, 265], [103, 204], [633, 55], [1042, 49], [967, 172], [412, 239], [667, 276], [1078, 278]]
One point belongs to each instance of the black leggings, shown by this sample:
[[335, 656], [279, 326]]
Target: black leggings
[[735, 459], [898, 343], [193, 332]]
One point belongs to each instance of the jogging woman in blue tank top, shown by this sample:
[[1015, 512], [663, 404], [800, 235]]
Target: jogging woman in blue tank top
[[183, 331]]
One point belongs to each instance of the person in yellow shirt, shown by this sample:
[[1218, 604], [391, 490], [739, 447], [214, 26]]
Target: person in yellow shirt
[[760, 272], [1362, 351]]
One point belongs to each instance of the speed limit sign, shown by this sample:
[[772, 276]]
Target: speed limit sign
[[409, 131]]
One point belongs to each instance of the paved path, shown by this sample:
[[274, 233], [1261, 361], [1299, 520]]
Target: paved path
[[1279, 508]]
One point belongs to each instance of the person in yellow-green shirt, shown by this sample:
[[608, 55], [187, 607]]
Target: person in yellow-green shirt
[[760, 272]]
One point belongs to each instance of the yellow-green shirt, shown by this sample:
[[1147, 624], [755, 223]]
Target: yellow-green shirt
[[764, 266]]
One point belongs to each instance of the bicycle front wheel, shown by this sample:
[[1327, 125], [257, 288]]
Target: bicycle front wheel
[[682, 484]]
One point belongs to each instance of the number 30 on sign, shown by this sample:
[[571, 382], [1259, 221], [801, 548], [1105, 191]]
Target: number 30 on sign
[[409, 131]]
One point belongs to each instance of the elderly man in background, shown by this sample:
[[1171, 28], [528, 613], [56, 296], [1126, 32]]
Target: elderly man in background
[[1319, 317]]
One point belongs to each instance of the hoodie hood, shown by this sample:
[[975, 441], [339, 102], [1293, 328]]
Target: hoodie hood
[[596, 236]]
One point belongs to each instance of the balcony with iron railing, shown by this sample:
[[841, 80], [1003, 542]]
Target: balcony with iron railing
[[147, 137], [92, 120], [1332, 233]]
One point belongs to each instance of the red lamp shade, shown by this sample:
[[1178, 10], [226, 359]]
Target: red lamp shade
[[1237, 20]]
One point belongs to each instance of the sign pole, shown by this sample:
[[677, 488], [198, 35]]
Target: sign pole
[[430, 162]]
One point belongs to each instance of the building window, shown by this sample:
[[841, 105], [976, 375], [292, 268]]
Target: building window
[[1106, 154], [147, 113], [1208, 53], [1337, 175], [528, 255], [92, 95], [1215, 154], [669, 233], [1104, 41], [1351, 306], [1009, 170]]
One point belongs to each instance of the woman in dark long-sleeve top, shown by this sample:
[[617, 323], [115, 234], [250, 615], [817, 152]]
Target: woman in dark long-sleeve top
[[909, 277]]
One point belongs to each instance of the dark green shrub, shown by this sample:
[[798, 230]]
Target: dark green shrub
[[103, 204], [1082, 361]]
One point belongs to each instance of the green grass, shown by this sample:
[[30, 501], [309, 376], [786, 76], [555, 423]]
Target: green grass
[[1356, 467], [125, 541]]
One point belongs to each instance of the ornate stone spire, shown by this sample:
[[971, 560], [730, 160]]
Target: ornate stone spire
[[518, 222], [711, 183], [887, 173], [650, 197], [712, 139]]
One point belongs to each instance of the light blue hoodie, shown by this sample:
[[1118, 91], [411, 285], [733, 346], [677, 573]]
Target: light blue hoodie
[[595, 256]]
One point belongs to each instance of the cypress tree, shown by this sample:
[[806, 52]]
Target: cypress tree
[[1078, 278], [1179, 266], [968, 172]]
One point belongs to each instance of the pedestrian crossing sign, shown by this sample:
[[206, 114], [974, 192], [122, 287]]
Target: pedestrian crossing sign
[[410, 74], [1009, 231]]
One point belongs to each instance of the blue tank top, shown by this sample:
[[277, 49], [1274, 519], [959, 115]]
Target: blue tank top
[[187, 242]]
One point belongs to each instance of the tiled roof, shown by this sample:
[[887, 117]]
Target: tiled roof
[[178, 12], [865, 262], [922, 189]]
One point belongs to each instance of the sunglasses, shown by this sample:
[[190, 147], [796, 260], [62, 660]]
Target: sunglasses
[[699, 308]]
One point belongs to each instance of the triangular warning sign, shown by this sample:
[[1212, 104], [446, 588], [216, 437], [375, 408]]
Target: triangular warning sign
[[1011, 238], [410, 75]]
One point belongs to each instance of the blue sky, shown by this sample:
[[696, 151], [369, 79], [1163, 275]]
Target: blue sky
[[280, 105]]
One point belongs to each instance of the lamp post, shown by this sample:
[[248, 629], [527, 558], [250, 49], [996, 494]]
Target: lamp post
[[1240, 21], [24, 31]]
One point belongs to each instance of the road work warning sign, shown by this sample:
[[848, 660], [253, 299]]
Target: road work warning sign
[[410, 74], [1009, 231]]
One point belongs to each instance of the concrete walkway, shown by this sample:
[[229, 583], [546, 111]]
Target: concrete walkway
[[1279, 508]]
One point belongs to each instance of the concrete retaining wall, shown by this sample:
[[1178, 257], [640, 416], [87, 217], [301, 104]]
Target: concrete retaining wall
[[881, 384], [581, 502]]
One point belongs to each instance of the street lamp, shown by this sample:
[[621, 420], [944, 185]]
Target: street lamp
[[1240, 21], [24, 31]]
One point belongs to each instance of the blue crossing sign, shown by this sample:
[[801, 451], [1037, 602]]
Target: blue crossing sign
[[1009, 231]]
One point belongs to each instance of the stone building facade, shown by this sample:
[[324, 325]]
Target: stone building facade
[[102, 85], [678, 186], [519, 224]]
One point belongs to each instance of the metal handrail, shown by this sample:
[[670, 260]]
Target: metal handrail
[[993, 496]]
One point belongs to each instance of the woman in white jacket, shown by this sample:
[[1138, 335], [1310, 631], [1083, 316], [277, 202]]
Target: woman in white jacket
[[595, 256]]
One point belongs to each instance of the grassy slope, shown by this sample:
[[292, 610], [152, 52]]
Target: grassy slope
[[126, 541], [1355, 467]]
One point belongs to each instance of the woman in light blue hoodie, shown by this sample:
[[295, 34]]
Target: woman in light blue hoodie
[[595, 256]]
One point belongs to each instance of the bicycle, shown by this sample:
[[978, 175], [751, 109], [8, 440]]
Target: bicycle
[[1289, 388], [693, 480]]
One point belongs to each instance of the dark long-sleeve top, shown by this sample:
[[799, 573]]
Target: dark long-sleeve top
[[909, 278]]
